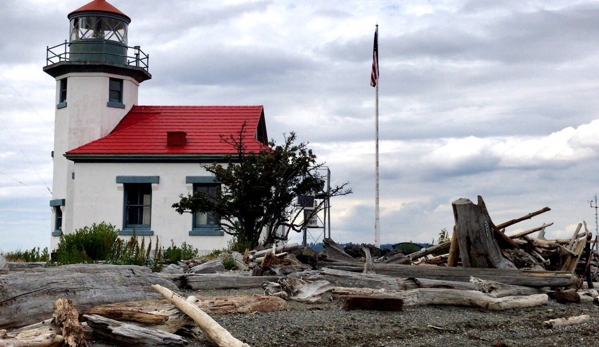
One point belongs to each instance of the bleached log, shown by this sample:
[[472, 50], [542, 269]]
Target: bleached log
[[48, 339], [566, 321], [308, 291], [41, 334], [454, 250], [213, 330], [572, 260], [430, 250], [285, 248], [452, 297], [575, 236], [340, 278], [131, 335], [336, 253], [530, 231], [517, 220], [369, 264]]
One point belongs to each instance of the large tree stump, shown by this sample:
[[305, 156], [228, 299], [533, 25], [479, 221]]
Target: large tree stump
[[476, 236]]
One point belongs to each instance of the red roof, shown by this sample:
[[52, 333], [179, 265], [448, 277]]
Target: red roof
[[143, 132], [99, 6]]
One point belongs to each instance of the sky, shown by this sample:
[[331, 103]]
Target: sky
[[482, 97]]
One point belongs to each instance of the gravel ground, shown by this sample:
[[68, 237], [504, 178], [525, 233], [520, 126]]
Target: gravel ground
[[327, 325]]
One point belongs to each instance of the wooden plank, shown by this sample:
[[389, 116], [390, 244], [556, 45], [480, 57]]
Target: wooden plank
[[369, 303]]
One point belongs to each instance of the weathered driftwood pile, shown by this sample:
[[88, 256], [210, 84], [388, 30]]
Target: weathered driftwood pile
[[482, 266], [478, 243]]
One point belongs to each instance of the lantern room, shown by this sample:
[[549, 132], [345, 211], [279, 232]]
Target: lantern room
[[98, 33]]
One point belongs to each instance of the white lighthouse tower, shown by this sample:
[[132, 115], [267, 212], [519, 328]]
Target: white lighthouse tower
[[97, 79]]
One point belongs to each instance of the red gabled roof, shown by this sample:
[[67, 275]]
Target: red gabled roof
[[143, 131], [99, 6]]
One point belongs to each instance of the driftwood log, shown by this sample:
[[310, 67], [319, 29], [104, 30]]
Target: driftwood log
[[213, 330], [66, 317], [336, 253], [536, 279], [226, 281], [566, 321], [476, 236], [25, 296], [132, 335], [469, 298], [42, 334], [386, 283]]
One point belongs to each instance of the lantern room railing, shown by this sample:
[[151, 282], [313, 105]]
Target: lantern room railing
[[61, 53]]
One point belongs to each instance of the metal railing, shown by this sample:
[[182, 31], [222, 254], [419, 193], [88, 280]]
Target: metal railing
[[60, 53]]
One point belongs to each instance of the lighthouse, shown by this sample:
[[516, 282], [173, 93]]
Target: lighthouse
[[97, 78]]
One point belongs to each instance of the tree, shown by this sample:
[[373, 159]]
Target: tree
[[257, 189]]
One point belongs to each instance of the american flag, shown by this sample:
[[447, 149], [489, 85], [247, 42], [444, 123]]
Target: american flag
[[374, 75]]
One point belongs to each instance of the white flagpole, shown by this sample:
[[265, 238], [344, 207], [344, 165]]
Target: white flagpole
[[377, 227]]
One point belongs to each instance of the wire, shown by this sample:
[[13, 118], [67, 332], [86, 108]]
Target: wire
[[25, 155], [26, 185], [27, 102]]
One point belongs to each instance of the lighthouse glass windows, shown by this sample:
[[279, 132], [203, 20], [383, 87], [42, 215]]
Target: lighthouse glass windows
[[96, 27], [138, 207], [115, 93]]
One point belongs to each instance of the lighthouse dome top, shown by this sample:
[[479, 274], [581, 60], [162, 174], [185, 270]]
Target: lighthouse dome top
[[99, 6]]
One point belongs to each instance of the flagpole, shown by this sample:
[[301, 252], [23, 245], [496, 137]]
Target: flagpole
[[377, 227]]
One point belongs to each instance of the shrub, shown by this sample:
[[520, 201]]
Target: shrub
[[132, 252], [87, 244], [36, 254], [175, 254]]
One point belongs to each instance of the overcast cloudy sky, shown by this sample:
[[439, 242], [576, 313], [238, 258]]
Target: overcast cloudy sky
[[482, 97]]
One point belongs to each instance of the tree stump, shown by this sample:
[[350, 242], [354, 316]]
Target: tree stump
[[476, 236]]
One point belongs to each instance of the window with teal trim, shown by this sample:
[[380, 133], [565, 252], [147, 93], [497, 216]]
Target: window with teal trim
[[62, 94], [206, 224], [115, 93], [137, 209], [57, 219]]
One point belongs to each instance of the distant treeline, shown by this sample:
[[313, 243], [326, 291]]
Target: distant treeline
[[319, 246]]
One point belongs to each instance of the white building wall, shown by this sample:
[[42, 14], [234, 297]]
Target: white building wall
[[86, 118], [98, 198]]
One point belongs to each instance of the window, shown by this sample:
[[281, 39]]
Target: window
[[62, 94], [201, 219], [206, 224], [115, 93], [57, 219], [56, 206], [138, 208]]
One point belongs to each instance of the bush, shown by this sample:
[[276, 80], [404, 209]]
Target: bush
[[174, 254], [33, 255], [87, 244], [133, 252]]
